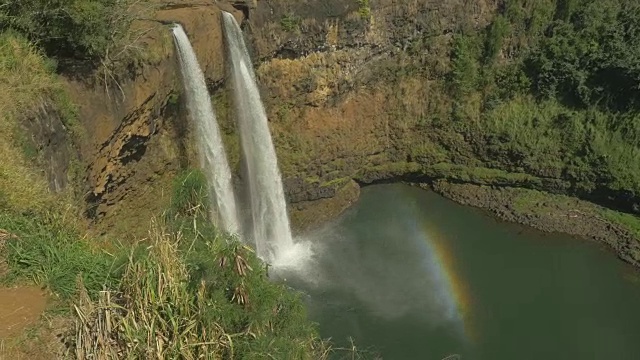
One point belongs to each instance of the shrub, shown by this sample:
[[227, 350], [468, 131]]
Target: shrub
[[589, 56], [364, 10], [465, 72], [80, 29], [190, 194], [498, 30], [289, 22]]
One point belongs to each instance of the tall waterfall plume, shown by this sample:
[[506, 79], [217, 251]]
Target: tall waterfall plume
[[213, 158], [270, 222]]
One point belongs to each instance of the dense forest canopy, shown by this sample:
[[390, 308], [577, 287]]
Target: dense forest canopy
[[559, 84], [589, 55]]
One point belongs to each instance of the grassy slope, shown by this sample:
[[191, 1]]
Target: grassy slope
[[26, 80], [182, 292]]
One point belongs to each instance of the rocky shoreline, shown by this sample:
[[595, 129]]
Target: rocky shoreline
[[546, 212]]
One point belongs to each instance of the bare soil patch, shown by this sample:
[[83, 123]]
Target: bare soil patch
[[20, 307]]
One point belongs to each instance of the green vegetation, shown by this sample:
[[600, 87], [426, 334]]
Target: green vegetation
[[290, 22], [100, 35], [364, 10], [532, 201], [48, 252], [628, 221], [27, 80], [188, 291], [189, 196], [81, 29], [497, 32], [590, 56], [179, 310], [465, 70], [561, 100], [174, 99], [336, 183]]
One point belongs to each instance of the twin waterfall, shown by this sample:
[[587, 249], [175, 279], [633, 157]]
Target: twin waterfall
[[269, 223]]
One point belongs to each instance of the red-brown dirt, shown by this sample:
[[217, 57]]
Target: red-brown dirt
[[20, 307]]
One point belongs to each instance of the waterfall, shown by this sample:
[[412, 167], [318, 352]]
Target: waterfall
[[270, 222], [213, 158]]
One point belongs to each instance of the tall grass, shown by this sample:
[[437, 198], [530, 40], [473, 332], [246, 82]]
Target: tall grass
[[185, 292], [45, 250], [191, 292], [25, 80], [213, 301]]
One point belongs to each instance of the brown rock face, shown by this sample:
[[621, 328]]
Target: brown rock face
[[50, 138], [333, 83], [202, 24], [138, 134], [327, 74]]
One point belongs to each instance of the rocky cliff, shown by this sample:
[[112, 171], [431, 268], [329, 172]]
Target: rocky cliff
[[357, 92], [137, 132], [338, 100], [365, 90]]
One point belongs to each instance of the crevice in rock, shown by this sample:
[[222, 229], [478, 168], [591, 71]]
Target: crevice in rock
[[134, 149], [215, 86], [242, 6], [127, 144], [184, 6]]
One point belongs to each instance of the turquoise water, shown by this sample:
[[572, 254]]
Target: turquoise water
[[410, 275]]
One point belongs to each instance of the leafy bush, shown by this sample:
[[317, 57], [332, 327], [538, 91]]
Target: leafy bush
[[364, 9], [80, 29], [590, 56], [290, 22], [498, 30], [465, 70]]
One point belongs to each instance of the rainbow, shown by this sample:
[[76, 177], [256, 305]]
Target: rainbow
[[453, 283]]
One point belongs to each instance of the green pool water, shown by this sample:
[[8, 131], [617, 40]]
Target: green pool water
[[410, 275]]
